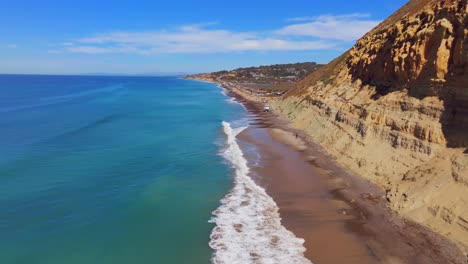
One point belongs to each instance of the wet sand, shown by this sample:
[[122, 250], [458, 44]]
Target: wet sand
[[305, 205], [342, 217]]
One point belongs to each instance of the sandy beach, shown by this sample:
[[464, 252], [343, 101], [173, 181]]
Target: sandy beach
[[342, 217]]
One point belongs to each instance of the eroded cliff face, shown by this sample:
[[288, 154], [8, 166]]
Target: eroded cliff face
[[394, 109]]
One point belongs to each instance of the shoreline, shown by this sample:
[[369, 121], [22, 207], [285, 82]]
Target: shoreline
[[306, 207], [342, 217]]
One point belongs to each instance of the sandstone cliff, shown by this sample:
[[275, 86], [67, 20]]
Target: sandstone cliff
[[394, 109]]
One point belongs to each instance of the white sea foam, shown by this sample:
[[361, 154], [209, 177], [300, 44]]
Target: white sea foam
[[224, 91], [248, 225], [230, 99], [233, 100]]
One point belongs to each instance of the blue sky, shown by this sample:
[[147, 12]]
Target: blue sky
[[147, 37]]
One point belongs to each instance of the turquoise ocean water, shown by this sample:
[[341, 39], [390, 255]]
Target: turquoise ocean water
[[110, 169], [131, 170]]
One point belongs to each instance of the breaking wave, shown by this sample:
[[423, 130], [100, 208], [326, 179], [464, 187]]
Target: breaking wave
[[248, 225]]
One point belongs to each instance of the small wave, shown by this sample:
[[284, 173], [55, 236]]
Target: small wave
[[51, 100], [230, 99], [67, 97], [77, 131], [224, 91], [233, 100], [248, 225]]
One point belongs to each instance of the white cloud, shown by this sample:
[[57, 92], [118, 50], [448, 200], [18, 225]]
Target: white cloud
[[12, 46], [316, 33], [345, 16], [190, 39], [341, 27], [55, 51]]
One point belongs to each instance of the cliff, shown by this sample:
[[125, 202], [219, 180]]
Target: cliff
[[394, 109]]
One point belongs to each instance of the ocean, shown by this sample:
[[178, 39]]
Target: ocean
[[130, 170]]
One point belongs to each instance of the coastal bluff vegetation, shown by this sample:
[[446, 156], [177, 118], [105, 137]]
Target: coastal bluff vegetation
[[394, 110], [278, 74]]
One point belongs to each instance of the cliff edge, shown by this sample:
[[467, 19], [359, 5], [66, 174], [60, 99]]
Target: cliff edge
[[394, 109]]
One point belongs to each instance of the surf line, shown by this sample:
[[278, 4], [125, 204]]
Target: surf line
[[248, 225]]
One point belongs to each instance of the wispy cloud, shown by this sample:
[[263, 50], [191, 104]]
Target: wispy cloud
[[314, 18], [12, 46], [190, 39], [317, 33], [348, 27]]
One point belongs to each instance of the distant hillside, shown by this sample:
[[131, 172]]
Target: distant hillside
[[271, 74]]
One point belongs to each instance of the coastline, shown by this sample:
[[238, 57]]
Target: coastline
[[342, 217]]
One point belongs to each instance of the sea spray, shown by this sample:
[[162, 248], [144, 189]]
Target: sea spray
[[248, 225]]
